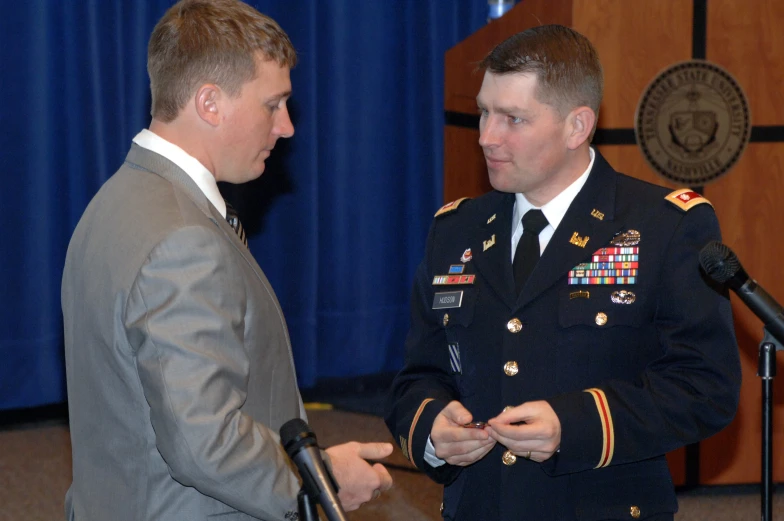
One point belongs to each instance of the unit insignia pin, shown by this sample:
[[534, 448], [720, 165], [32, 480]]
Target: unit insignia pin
[[488, 243], [466, 256], [596, 213], [579, 241]]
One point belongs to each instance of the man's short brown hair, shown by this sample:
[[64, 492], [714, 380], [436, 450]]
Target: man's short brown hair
[[566, 65], [209, 41]]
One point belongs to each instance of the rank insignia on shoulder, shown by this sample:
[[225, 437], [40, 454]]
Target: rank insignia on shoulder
[[686, 199], [450, 207]]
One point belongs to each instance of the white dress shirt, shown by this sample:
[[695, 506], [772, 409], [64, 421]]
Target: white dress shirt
[[554, 210], [189, 164]]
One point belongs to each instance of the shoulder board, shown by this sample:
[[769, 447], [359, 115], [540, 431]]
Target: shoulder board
[[686, 199], [451, 207]]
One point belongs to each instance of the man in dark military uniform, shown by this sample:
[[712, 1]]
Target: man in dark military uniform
[[587, 364]]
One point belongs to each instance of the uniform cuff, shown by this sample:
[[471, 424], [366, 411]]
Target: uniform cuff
[[418, 436], [587, 432]]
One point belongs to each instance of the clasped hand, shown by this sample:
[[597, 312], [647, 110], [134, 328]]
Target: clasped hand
[[359, 481], [531, 430]]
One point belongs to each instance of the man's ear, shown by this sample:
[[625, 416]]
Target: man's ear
[[207, 102], [580, 125]]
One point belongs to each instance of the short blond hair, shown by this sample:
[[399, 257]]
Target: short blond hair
[[566, 65], [209, 41]]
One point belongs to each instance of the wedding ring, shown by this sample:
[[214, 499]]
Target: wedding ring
[[528, 456]]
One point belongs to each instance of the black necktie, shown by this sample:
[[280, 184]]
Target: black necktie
[[234, 221], [527, 252]]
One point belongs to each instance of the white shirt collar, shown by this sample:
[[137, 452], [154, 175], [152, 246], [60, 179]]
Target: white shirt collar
[[554, 210], [189, 164]]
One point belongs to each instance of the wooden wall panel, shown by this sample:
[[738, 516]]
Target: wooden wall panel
[[635, 41], [466, 163], [629, 160], [748, 41], [748, 203], [461, 80]]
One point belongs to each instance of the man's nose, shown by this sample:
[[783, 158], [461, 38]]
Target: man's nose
[[284, 127], [488, 136]]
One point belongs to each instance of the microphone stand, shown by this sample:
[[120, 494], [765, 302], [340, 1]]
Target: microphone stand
[[767, 372], [307, 507]]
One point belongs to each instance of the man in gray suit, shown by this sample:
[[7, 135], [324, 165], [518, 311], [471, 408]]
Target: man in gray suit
[[177, 355]]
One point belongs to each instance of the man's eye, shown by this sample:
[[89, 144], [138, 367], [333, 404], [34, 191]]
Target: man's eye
[[515, 120]]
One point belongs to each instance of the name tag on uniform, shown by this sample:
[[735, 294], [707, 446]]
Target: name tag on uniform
[[447, 299]]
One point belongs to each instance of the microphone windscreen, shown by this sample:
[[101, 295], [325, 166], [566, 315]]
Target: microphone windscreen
[[719, 262], [295, 434]]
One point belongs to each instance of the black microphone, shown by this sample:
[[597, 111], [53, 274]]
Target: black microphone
[[723, 266], [301, 446]]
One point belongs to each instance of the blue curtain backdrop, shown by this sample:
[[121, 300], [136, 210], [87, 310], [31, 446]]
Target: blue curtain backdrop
[[338, 220]]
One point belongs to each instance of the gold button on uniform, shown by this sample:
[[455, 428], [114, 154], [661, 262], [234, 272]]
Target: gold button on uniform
[[635, 511], [441, 509], [514, 325], [510, 368], [508, 458], [601, 319], [446, 319]]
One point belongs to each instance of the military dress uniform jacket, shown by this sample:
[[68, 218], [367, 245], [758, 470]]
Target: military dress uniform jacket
[[634, 365], [178, 359]]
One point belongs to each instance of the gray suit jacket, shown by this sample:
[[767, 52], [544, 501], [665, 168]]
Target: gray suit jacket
[[178, 359]]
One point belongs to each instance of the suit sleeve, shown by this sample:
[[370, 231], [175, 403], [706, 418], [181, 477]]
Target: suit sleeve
[[424, 386], [185, 320], [689, 393]]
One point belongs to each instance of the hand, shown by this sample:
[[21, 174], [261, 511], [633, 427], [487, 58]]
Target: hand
[[455, 444], [539, 432], [359, 482]]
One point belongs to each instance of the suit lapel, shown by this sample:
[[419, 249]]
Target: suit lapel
[[561, 255], [493, 262]]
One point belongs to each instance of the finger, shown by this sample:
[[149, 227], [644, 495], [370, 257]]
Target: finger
[[521, 413], [447, 450], [523, 431], [471, 457], [384, 477], [455, 412], [515, 442], [374, 450], [458, 435]]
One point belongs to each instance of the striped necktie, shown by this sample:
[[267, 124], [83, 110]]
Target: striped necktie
[[234, 221]]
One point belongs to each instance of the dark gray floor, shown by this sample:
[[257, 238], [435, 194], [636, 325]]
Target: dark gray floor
[[35, 466]]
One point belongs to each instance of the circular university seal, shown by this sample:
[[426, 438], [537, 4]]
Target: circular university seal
[[693, 122]]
